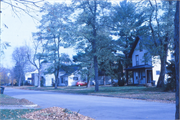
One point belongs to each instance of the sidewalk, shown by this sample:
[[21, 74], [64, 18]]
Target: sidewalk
[[34, 106]]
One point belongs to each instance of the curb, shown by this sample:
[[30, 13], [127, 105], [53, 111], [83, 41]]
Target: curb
[[34, 105], [18, 106]]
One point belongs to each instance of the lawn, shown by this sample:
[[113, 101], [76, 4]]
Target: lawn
[[131, 92], [13, 113], [27, 114], [7, 100]]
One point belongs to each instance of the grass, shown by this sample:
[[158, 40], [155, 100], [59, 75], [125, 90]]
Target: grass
[[14, 113], [132, 92], [7, 100]]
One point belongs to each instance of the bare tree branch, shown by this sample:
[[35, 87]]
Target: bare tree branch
[[26, 6]]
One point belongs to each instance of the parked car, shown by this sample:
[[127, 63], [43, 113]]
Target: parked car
[[81, 83]]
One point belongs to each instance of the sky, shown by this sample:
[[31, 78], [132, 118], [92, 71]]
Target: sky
[[17, 31]]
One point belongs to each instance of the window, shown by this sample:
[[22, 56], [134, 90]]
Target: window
[[157, 72], [75, 78], [137, 59]]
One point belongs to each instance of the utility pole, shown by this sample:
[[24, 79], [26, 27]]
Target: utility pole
[[0, 33], [177, 53]]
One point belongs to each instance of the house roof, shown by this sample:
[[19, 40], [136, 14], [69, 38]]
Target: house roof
[[70, 71], [134, 46], [139, 67]]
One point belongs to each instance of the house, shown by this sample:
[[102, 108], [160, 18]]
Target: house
[[145, 68], [32, 77], [68, 78]]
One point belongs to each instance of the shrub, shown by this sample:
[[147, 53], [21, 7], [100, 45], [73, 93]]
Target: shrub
[[171, 81], [42, 82], [121, 82], [26, 83]]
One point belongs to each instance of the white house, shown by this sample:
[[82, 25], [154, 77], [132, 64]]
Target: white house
[[65, 78], [145, 68], [32, 77], [70, 78]]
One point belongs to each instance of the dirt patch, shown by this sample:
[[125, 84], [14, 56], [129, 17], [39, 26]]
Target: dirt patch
[[25, 102], [55, 113], [14, 101]]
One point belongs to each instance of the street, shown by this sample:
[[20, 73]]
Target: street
[[99, 108]]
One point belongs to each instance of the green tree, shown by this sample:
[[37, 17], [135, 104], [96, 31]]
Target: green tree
[[171, 80], [18, 74], [160, 34], [86, 66], [91, 26], [55, 32], [127, 23]]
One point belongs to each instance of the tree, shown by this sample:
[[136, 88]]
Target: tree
[[19, 75], [171, 80], [4, 76], [160, 33], [176, 42], [86, 66], [36, 56], [127, 23], [90, 23], [55, 32], [20, 58]]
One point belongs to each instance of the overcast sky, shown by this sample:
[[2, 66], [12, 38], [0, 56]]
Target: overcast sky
[[18, 32]]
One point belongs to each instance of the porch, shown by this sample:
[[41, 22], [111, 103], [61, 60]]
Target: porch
[[139, 75]]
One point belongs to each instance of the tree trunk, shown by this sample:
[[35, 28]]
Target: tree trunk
[[56, 79], [19, 81], [55, 87], [96, 74], [104, 80], [177, 67], [39, 78], [88, 81], [94, 47], [163, 59], [126, 66]]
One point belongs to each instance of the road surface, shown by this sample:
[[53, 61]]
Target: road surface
[[97, 107]]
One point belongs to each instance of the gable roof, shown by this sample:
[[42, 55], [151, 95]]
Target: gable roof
[[70, 71], [134, 46], [139, 67]]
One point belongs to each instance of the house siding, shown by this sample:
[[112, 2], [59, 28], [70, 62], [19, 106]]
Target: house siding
[[157, 66], [141, 56]]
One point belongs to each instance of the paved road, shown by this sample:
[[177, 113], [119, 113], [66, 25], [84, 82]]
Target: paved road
[[100, 108]]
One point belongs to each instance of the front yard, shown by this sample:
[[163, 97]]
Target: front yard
[[56, 113], [130, 92]]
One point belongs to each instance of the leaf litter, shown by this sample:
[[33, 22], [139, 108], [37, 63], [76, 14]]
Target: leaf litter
[[55, 113]]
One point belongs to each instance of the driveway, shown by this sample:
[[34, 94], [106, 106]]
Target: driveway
[[100, 108]]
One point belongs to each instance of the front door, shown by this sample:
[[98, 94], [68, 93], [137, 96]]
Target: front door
[[149, 76], [136, 77]]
